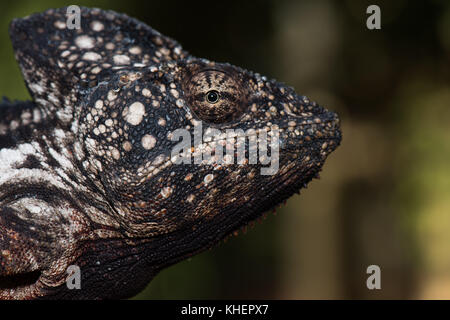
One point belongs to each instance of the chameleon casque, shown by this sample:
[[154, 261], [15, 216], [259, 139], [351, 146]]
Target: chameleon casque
[[86, 173]]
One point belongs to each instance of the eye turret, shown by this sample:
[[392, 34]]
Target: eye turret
[[216, 96]]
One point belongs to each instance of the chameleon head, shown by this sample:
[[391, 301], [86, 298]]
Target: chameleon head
[[195, 144], [143, 154]]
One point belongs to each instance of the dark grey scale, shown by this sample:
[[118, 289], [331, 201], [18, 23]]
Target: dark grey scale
[[11, 112], [31, 162], [104, 172]]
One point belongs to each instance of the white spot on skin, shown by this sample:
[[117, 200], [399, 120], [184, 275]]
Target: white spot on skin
[[60, 25], [34, 209], [112, 95], [102, 128], [36, 115], [166, 192], [162, 122], [99, 104], [52, 98], [14, 124], [64, 115], [59, 133], [146, 93], [148, 141], [208, 178], [110, 46], [135, 50], [135, 113], [91, 56], [121, 59], [179, 103], [96, 70], [85, 42], [97, 165], [97, 26], [115, 153], [37, 88], [127, 146], [73, 57]]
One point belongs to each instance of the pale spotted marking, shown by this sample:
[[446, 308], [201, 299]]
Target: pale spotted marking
[[134, 113], [135, 50], [97, 26], [121, 59], [91, 56], [148, 141], [146, 93], [166, 192], [85, 42], [208, 178]]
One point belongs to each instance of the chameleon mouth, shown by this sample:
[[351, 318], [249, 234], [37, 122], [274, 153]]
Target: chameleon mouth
[[317, 132]]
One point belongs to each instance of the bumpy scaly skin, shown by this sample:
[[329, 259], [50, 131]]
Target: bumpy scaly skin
[[86, 171]]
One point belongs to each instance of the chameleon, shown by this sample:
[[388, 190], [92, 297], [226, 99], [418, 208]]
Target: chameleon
[[88, 176]]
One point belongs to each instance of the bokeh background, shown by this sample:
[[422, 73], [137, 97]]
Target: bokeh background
[[384, 195]]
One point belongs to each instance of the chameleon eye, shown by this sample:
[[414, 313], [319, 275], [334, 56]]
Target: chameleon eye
[[216, 96], [212, 96]]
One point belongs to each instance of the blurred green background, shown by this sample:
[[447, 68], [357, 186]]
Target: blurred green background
[[384, 195]]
